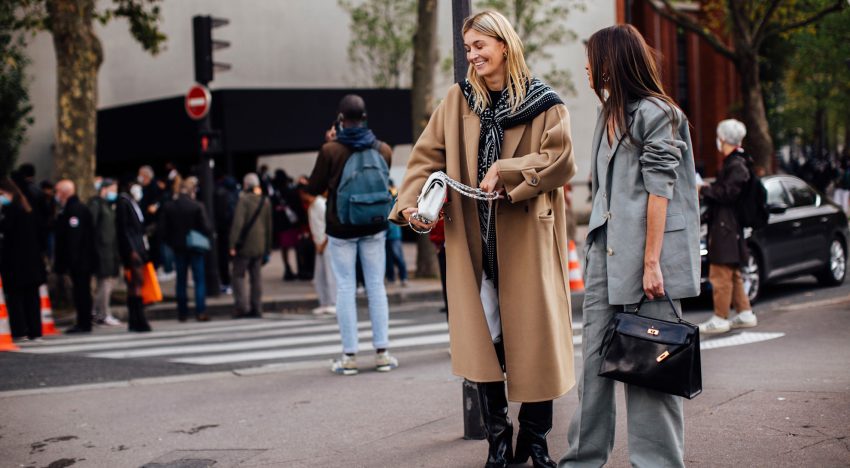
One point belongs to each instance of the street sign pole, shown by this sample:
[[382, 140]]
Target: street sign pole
[[473, 425]]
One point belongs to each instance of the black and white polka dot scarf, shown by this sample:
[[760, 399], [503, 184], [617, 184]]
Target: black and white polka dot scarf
[[494, 120]]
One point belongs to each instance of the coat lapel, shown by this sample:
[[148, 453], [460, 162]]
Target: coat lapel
[[513, 136], [471, 133]]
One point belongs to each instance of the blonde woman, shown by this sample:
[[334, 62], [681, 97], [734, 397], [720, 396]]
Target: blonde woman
[[503, 130]]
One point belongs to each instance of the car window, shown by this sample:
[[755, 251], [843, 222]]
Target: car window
[[776, 194], [801, 193]]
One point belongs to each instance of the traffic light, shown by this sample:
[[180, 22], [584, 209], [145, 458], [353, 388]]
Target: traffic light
[[205, 67]]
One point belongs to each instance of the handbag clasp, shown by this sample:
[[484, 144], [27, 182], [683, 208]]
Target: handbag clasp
[[663, 356], [653, 331]]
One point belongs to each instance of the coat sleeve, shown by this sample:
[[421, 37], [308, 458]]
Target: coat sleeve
[[727, 190], [267, 225], [662, 149], [427, 157], [320, 176], [238, 221], [552, 167]]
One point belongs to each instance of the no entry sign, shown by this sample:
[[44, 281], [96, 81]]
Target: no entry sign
[[198, 101]]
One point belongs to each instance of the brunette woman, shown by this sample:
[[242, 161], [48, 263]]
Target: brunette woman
[[503, 130], [643, 239], [21, 264]]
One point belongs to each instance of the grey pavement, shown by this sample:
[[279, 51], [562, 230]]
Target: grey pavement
[[783, 401]]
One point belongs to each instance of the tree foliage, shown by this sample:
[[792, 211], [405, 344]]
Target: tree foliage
[[738, 30], [816, 83], [14, 98], [381, 46], [541, 24]]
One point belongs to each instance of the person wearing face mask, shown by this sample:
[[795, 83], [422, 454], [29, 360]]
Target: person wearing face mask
[[503, 130], [21, 265], [727, 246], [133, 249], [102, 207], [76, 254]]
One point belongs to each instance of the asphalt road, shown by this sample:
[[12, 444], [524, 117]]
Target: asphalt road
[[776, 395]]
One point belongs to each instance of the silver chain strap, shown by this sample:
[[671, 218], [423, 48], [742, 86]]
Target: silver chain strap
[[468, 191], [465, 190]]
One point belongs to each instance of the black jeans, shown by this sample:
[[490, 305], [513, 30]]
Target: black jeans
[[24, 306], [81, 284]]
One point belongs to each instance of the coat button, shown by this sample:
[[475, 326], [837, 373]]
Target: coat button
[[610, 251], [534, 180]]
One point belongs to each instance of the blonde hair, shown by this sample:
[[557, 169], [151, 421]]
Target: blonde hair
[[494, 24]]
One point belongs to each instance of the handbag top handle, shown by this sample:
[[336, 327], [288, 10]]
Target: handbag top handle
[[666, 296]]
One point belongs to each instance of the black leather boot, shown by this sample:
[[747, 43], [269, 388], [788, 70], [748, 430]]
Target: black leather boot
[[497, 424], [535, 422], [137, 321]]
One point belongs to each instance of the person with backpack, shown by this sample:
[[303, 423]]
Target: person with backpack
[[731, 194], [250, 245], [354, 169]]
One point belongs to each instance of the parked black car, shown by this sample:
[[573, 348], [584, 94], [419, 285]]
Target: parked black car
[[806, 234]]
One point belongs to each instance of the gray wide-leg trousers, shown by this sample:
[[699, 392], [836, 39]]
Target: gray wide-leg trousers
[[656, 433]]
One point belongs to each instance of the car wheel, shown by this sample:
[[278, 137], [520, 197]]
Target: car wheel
[[836, 268], [751, 276]]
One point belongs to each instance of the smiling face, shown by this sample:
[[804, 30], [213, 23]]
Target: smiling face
[[486, 54]]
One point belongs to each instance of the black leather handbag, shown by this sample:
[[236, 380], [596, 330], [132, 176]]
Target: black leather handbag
[[653, 353]]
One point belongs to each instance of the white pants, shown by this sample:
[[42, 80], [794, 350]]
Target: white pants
[[324, 280], [102, 294], [490, 301]]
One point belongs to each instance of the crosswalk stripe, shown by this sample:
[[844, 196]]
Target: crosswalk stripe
[[261, 344], [308, 351], [190, 337], [217, 328]]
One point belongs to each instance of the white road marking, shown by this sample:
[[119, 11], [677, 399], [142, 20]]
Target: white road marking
[[189, 336], [261, 344], [309, 351], [738, 340]]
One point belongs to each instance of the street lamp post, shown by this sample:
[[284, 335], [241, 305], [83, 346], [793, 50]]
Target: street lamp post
[[473, 426]]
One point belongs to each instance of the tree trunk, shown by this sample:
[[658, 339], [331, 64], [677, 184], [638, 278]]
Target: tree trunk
[[78, 58], [758, 142], [424, 61]]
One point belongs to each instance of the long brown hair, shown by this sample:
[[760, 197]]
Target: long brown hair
[[623, 63]]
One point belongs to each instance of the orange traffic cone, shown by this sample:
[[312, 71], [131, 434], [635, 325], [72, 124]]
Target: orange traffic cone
[[576, 281], [48, 326], [6, 343]]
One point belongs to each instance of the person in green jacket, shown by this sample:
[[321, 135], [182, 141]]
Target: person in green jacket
[[250, 246], [106, 267]]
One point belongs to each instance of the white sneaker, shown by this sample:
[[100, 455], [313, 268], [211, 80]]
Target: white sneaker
[[714, 325], [384, 362], [330, 310], [345, 365], [165, 277], [112, 321], [746, 319], [318, 311]]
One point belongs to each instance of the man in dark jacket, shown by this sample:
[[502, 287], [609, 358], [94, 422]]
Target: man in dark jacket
[[75, 255], [133, 249], [727, 246], [251, 250], [347, 242], [102, 208], [225, 198], [182, 215]]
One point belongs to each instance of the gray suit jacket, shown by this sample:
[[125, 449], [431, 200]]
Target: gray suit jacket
[[661, 163]]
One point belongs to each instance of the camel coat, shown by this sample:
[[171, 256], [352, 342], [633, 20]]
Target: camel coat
[[534, 297]]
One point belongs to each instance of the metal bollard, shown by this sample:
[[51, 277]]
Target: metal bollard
[[473, 425]]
